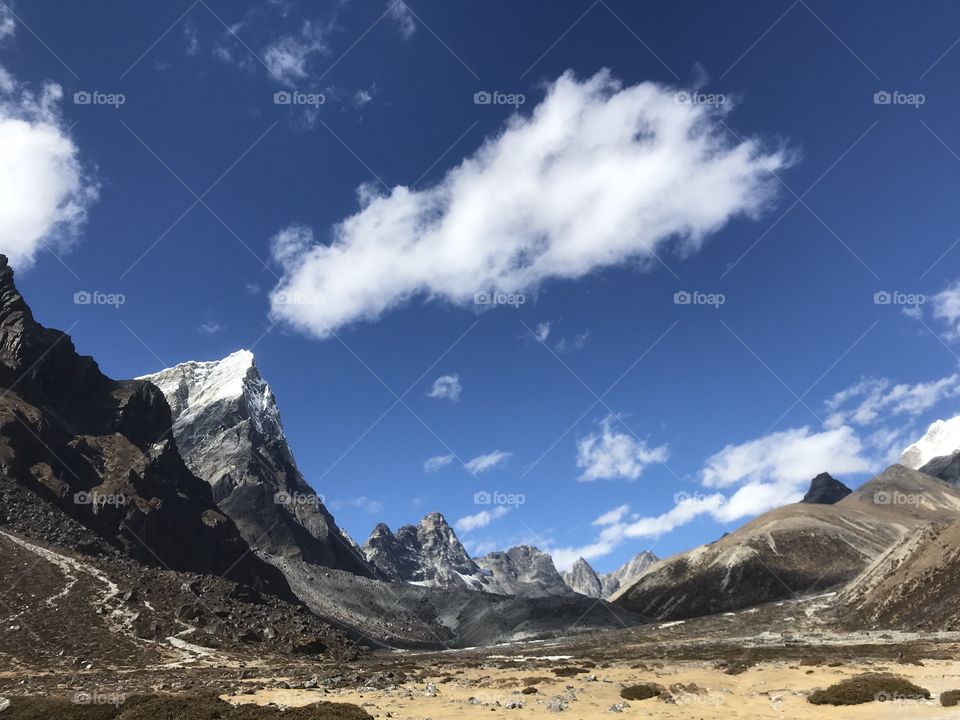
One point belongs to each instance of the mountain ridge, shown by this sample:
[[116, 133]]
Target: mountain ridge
[[792, 550]]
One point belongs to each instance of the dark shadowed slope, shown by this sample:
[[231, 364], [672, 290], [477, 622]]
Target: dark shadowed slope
[[101, 451]]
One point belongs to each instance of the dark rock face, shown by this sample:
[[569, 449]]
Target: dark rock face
[[947, 468], [428, 554], [227, 425], [825, 490], [100, 450]]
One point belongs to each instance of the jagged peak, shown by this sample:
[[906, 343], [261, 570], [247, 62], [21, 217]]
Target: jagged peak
[[825, 490], [581, 562], [194, 386]]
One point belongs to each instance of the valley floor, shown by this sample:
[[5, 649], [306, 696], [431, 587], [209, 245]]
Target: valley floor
[[760, 663], [776, 689]]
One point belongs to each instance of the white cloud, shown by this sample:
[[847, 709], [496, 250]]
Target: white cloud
[[946, 308], [481, 519], [476, 548], [613, 454], [597, 176], [433, 464], [612, 517], [790, 456], [288, 58], [446, 387], [7, 24], [191, 36], [875, 399], [364, 97], [579, 342], [762, 474], [44, 190], [210, 328], [401, 15], [483, 463], [542, 331]]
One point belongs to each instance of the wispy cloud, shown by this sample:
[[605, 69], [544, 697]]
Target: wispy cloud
[[210, 328], [946, 308], [402, 18], [434, 464], [612, 453], [446, 387], [483, 463], [481, 519], [288, 57]]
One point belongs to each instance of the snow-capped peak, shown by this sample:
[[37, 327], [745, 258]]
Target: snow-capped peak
[[191, 388], [942, 438]]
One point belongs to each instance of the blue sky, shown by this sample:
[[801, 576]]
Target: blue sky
[[780, 163]]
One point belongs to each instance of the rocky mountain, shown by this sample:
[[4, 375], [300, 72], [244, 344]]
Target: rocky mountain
[[947, 468], [912, 586], [941, 439], [522, 571], [825, 490], [428, 554], [793, 550], [627, 573], [586, 581], [227, 425], [99, 450], [582, 578]]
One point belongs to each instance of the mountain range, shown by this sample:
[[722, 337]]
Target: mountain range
[[183, 484]]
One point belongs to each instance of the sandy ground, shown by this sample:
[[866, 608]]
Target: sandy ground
[[768, 690]]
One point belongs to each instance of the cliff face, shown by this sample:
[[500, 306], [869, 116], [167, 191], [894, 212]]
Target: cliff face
[[101, 450], [227, 425]]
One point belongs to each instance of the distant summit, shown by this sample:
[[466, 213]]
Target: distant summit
[[586, 581], [825, 490], [428, 554], [941, 439], [582, 578], [523, 571]]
